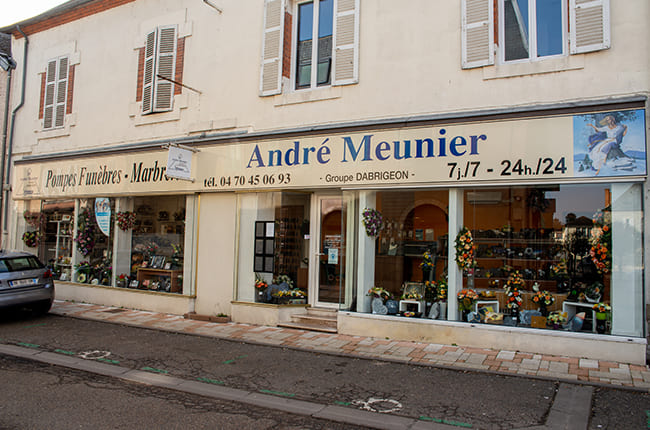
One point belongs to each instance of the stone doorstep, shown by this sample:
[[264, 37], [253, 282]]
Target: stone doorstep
[[307, 326], [314, 320], [208, 318]]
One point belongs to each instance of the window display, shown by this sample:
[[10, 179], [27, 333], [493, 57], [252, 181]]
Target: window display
[[94, 238], [157, 241], [273, 265], [563, 257]]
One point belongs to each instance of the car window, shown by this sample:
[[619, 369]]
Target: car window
[[19, 263]]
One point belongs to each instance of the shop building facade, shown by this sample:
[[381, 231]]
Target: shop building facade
[[481, 171]]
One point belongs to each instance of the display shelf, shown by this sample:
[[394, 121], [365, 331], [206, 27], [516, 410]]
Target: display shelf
[[146, 278]]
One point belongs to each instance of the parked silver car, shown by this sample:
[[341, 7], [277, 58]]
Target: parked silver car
[[25, 282]]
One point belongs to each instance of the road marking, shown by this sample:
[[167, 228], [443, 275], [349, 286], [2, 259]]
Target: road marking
[[61, 351], [210, 381], [94, 355], [153, 369], [34, 325], [375, 405], [438, 420], [106, 360], [28, 345], [234, 359]]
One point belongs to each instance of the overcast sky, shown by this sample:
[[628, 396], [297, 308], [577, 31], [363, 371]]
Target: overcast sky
[[12, 11]]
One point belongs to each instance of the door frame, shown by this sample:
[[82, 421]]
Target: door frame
[[315, 247]]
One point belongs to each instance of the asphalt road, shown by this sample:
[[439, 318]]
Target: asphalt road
[[466, 398]]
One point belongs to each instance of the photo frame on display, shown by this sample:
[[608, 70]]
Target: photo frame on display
[[134, 284]]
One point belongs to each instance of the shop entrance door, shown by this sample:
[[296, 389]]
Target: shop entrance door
[[329, 251]]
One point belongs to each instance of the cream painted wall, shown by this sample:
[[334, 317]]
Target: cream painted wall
[[215, 253], [409, 65]]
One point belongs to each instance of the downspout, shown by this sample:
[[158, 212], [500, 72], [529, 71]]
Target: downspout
[[6, 188], [5, 124]]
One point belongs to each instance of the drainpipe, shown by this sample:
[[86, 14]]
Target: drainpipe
[[6, 166], [5, 122]]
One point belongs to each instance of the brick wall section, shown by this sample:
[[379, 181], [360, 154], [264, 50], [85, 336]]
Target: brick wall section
[[41, 106], [68, 16], [286, 48], [178, 73], [138, 87], [69, 96]]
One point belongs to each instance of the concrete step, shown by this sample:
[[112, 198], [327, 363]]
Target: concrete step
[[316, 319], [310, 327]]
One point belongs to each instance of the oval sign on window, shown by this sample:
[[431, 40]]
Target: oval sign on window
[[103, 214]]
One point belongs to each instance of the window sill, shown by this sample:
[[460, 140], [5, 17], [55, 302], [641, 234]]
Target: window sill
[[308, 96], [552, 65], [53, 133], [135, 112]]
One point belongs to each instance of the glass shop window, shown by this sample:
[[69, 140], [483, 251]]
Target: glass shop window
[[94, 239]]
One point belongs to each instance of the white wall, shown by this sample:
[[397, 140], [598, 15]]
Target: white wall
[[215, 253], [409, 65]]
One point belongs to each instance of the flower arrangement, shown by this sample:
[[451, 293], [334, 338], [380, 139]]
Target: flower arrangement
[[602, 308], [33, 219], [292, 294], [177, 248], [125, 220], [31, 238], [556, 319], [378, 293], [592, 292], [412, 296], [515, 280], [427, 261], [559, 270], [466, 299], [465, 249], [260, 284], [85, 233], [601, 241], [151, 249], [430, 291], [513, 284], [280, 279], [373, 221], [442, 289], [543, 299]]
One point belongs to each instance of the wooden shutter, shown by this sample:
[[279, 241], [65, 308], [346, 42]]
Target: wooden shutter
[[149, 68], [477, 33], [56, 92], [271, 69], [165, 67], [346, 43], [50, 90], [61, 92], [590, 26]]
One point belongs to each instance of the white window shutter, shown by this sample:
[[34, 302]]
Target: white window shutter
[[61, 92], [477, 33], [165, 67], [272, 45], [149, 69], [345, 58], [50, 90], [589, 25]]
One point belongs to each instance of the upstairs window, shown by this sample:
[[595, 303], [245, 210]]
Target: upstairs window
[[55, 93], [159, 68], [309, 44], [531, 29], [314, 61]]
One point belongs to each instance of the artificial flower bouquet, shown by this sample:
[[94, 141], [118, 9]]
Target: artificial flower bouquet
[[466, 298]]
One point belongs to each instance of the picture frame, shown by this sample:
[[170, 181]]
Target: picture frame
[[168, 266], [134, 284]]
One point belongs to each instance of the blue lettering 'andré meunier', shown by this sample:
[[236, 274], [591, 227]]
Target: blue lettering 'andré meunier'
[[367, 150]]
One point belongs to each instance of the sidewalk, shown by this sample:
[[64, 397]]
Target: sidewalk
[[559, 368]]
